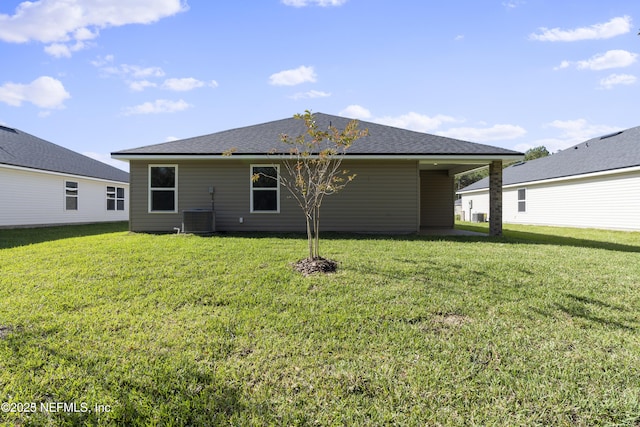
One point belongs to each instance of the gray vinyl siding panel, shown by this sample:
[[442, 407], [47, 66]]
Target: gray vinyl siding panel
[[436, 199], [382, 198]]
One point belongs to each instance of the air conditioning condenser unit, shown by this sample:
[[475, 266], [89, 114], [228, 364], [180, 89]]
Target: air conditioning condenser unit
[[198, 221]]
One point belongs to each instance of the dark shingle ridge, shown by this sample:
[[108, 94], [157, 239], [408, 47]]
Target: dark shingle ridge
[[21, 149], [618, 150], [264, 138]]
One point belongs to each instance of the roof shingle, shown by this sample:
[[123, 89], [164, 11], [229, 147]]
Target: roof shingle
[[264, 138], [604, 153], [19, 148]]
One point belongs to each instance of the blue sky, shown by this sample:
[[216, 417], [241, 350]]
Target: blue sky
[[98, 76]]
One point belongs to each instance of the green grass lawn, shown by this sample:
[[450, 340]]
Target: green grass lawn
[[540, 327]]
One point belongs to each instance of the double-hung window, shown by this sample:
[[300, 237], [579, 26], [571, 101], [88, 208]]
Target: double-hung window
[[163, 188], [265, 191], [70, 195], [522, 199], [115, 198]]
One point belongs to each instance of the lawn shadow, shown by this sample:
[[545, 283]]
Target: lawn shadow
[[584, 307], [592, 310], [14, 237], [509, 237], [528, 237], [10, 238]]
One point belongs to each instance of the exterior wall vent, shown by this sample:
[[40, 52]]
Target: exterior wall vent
[[198, 221], [8, 129], [611, 135]]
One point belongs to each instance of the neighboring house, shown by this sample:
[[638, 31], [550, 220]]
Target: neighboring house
[[595, 184], [404, 180], [44, 184]]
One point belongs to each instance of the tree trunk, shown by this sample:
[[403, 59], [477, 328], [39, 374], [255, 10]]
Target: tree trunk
[[309, 237], [316, 226]]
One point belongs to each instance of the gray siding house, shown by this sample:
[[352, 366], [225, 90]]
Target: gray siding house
[[404, 180]]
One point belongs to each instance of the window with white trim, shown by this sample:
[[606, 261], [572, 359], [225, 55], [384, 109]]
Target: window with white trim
[[163, 188], [265, 191], [522, 199], [70, 196], [115, 198]]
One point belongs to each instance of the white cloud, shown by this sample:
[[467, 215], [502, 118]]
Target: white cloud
[[73, 22], [323, 3], [610, 59], [139, 72], [125, 70], [102, 61], [415, 121], [572, 132], [356, 112], [177, 85], [140, 85], [429, 124], [312, 94], [494, 133], [137, 77], [293, 77], [512, 4], [617, 79], [603, 61], [58, 50], [106, 158], [459, 37], [158, 106], [44, 92], [182, 85], [563, 65], [615, 27]]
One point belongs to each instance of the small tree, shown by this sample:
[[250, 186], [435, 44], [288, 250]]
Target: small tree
[[313, 169], [536, 153]]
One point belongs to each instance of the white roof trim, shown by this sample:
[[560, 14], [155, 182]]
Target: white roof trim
[[69, 175], [560, 179]]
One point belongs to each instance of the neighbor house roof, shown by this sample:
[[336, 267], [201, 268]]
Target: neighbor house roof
[[264, 138], [20, 149], [618, 150]]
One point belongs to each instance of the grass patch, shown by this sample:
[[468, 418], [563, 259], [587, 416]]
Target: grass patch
[[540, 327]]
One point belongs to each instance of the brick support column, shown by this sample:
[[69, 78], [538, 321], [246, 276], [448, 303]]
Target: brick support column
[[495, 198]]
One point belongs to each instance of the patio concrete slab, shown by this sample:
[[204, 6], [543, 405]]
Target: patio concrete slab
[[449, 232]]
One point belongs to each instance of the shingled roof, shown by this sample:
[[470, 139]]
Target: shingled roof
[[21, 149], [264, 138], [619, 150]]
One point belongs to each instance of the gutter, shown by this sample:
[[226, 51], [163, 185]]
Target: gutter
[[456, 157]]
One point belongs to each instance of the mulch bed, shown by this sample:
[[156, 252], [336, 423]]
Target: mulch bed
[[308, 266]]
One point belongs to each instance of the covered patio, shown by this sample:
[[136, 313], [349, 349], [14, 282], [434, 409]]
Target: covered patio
[[437, 189]]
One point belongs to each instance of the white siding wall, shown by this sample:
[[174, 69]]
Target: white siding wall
[[480, 204], [30, 198], [609, 202]]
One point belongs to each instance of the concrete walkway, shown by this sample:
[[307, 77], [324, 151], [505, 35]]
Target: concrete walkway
[[449, 232]]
